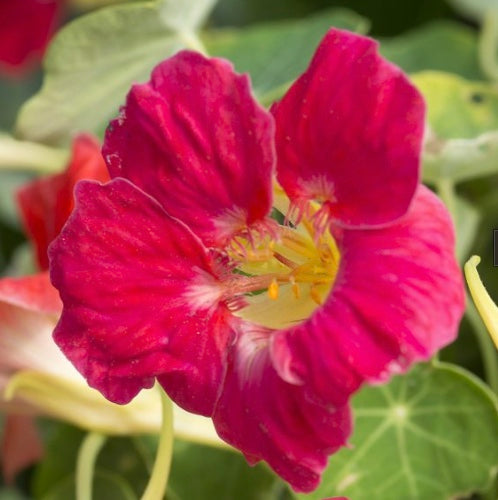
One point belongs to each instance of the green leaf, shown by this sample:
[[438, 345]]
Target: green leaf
[[461, 159], [11, 494], [430, 434], [10, 182], [441, 45], [93, 61], [206, 473], [106, 486], [458, 108], [59, 462], [474, 9], [276, 53]]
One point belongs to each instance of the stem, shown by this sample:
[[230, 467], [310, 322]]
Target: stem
[[159, 478], [85, 465], [446, 190], [486, 346], [488, 43], [30, 156]]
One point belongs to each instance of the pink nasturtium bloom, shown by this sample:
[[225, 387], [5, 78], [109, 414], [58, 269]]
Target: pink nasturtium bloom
[[176, 271]]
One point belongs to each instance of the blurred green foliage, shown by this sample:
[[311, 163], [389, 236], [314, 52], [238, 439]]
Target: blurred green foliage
[[388, 17]]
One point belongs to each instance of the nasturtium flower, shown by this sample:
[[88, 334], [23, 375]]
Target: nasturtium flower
[[260, 265]]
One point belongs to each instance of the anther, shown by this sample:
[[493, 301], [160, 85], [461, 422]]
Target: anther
[[273, 289], [315, 295], [295, 287]]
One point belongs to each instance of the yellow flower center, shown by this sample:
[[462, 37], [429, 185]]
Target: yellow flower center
[[284, 275]]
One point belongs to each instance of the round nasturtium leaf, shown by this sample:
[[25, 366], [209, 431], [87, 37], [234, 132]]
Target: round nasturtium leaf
[[428, 435], [93, 61], [457, 108]]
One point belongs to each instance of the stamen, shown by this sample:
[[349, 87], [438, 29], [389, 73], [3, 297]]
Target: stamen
[[284, 260], [295, 287], [297, 210], [295, 242], [320, 220], [273, 289], [237, 247], [315, 295]]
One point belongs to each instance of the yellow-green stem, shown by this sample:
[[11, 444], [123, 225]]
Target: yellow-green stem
[[85, 466], [159, 478], [30, 156], [446, 190], [486, 346]]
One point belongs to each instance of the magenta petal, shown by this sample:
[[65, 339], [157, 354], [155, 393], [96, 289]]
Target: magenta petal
[[127, 273], [195, 139], [349, 133], [270, 419], [398, 298]]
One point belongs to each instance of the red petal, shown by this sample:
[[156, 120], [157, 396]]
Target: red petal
[[26, 27], [46, 203], [270, 419], [139, 298], [33, 293], [195, 139], [21, 445], [349, 133], [398, 298]]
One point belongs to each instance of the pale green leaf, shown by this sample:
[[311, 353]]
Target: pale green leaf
[[458, 108], [276, 53], [429, 435], [461, 159], [93, 61], [440, 45]]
